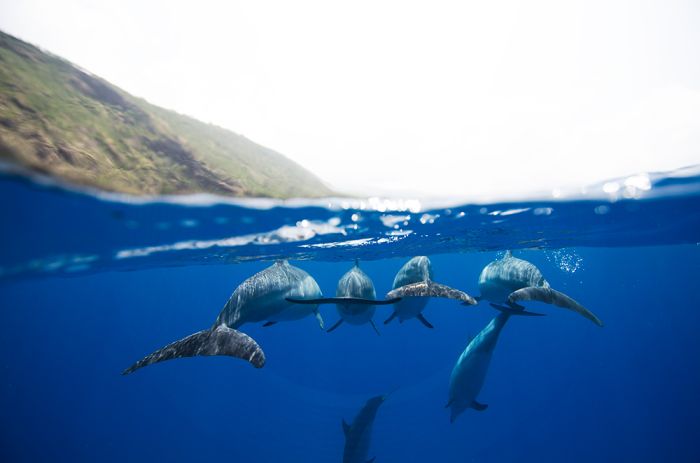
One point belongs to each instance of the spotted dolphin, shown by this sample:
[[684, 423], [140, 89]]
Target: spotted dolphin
[[414, 285], [355, 299], [359, 433], [469, 372], [510, 280], [261, 297]]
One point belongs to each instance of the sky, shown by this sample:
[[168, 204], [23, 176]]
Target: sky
[[467, 99]]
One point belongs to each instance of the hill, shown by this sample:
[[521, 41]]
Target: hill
[[60, 120]]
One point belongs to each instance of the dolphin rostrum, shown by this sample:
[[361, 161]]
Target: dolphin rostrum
[[261, 297], [414, 285], [359, 433], [470, 370], [509, 280]]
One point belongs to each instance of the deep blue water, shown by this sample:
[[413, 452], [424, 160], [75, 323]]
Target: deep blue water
[[89, 285]]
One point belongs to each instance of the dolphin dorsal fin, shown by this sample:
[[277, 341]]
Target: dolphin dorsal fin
[[346, 428]]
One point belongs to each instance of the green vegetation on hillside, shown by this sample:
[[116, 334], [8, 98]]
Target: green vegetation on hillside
[[60, 120]]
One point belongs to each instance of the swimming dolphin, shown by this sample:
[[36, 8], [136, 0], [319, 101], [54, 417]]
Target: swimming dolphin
[[359, 433], [259, 298], [509, 280], [470, 370], [414, 285], [355, 299]]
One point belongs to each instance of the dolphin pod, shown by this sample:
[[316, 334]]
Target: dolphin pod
[[283, 292]]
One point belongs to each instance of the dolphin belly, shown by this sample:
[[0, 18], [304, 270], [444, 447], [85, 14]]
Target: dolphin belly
[[496, 291], [470, 371], [356, 314], [410, 307], [467, 379]]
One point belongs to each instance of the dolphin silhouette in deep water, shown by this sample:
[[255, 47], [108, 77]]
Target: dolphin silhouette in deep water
[[261, 297], [355, 299], [470, 370], [510, 280], [414, 285], [359, 433]]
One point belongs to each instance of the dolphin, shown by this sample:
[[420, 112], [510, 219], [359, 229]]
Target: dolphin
[[359, 433], [261, 297], [414, 285], [355, 299], [509, 280], [469, 372]]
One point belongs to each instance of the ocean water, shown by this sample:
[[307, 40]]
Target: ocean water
[[90, 283]]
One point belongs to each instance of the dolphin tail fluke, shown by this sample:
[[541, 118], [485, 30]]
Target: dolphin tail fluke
[[551, 296], [220, 340], [391, 317], [513, 311], [337, 324], [371, 322], [423, 320]]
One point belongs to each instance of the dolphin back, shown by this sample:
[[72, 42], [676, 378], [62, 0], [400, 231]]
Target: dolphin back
[[263, 295], [355, 283], [218, 341], [415, 270], [551, 296], [503, 276], [358, 434], [429, 288]]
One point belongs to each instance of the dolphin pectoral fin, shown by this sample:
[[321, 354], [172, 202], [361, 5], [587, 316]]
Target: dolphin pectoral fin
[[265, 325], [479, 407], [319, 318], [551, 296], [512, 311], [429, 288], [425, 322], [371, 322], [217, 341], [337, 324], [346, 428], [391, 317]]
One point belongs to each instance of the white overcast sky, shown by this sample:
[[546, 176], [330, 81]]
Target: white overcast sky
[[437, 98]]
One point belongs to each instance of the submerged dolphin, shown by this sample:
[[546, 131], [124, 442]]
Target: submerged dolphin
[[509, 280], [355, 299], [470, 370], [359, 433], [414, 285], [261, 297]]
